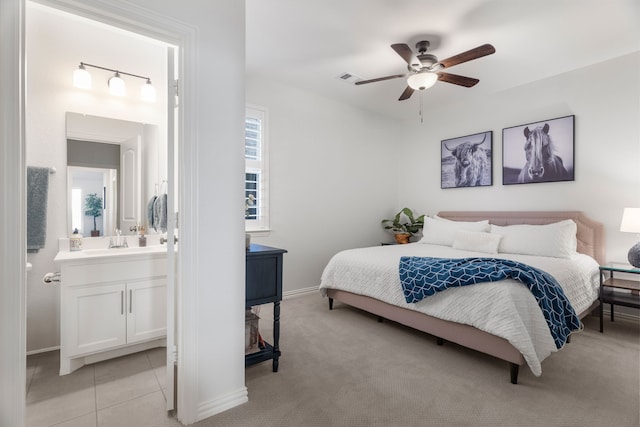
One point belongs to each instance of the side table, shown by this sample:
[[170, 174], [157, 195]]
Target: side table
[[263, 286], [608, 295]]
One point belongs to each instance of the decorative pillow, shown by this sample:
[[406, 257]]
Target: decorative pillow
[[439, 232], [552, 240], [477, 241]]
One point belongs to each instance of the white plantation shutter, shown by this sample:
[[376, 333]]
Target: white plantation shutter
[[256, 188]]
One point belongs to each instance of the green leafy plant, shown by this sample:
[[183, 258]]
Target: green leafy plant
[[93, 206], [404, 222]]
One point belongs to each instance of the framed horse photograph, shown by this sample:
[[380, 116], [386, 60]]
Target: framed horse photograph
[[466, 161], [541, 151]]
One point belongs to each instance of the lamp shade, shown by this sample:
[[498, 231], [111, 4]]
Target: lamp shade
[[82, 78], [422, 80], [630, 220], [117, 86], [631, 224], [148, 92]]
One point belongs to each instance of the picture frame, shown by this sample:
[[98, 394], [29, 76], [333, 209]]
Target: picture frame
[[467, 161], [542, 151]]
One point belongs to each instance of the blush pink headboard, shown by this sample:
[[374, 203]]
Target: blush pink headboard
[[590, 234]]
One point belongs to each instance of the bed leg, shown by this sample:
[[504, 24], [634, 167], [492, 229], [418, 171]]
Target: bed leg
[[439, 341], [569, 339], [514, 372], [330, 303], [380, 319]]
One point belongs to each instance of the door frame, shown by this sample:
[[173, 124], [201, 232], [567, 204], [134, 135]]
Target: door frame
[[132, 18]]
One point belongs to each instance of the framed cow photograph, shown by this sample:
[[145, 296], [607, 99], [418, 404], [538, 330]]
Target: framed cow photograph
[[539, 152], [466, 161]]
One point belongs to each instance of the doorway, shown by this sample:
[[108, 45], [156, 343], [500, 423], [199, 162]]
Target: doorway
[[54, 90]]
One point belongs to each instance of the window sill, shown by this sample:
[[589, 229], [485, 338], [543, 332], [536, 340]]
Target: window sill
[[258, 233]]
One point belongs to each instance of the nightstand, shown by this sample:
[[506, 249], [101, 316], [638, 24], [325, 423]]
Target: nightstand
[[608, 295], [264, 285]]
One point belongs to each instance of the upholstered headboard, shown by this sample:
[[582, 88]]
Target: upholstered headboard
[[590, 234]]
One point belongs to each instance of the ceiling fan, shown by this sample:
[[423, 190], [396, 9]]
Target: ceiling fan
[[424, 68]]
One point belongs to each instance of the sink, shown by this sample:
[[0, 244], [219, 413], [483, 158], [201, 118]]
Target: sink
[[63, 256], [124, 251]]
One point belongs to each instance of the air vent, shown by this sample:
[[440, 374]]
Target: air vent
[[349, 78]]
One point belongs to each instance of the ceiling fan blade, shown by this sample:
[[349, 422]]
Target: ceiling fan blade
[[457, 80], [406, 94], [478, 52], [406, 53], [380, 79]]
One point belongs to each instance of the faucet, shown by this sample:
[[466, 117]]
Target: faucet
[[118, 244], [163, 240]]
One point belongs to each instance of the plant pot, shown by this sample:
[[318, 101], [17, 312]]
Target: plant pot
[[95, 233], [402, 238]]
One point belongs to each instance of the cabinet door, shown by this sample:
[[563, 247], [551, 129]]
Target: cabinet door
[[146, 310], [96, 318]]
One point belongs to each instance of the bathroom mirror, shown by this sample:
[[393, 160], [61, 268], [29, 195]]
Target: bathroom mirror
[[113, 163]]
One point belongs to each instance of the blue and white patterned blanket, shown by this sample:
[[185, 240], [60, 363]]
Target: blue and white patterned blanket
[[424, 276]]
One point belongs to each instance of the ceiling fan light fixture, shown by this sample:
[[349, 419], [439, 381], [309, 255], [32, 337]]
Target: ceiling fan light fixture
[[422, 80]]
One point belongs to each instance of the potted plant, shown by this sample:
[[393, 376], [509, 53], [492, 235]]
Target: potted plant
[[404, 225], [93, 206]]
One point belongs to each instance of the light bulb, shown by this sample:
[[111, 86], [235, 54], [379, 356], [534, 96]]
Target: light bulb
[[82, 78], [148, 92], [117, 86], [422, 80]]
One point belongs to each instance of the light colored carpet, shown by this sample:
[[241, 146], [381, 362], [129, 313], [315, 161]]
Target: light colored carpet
[[343, 368]]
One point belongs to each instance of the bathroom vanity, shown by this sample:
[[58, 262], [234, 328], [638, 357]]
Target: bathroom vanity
[[113, 302]]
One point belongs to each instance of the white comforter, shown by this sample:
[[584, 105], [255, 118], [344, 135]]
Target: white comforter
[[506, 308]]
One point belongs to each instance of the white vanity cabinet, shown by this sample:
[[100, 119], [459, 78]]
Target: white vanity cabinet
[[110, 306]]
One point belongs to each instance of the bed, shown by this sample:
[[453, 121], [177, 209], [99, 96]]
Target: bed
[[496, 318]]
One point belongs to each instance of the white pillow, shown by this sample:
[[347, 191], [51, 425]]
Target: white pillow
[[553, 240], [439, 232], [477, 241]]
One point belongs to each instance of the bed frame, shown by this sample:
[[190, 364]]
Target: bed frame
[[590, 236]]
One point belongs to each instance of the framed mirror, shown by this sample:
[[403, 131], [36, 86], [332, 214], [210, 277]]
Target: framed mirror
[[112, 169]]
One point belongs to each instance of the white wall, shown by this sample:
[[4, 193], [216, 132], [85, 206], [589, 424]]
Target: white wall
[[332, 177], [212, 34], [337, 171], [605, 99], [56, 44]]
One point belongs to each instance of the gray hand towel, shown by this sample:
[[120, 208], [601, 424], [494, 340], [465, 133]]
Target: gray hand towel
[[37, 192], [160, 213], [150, 214]]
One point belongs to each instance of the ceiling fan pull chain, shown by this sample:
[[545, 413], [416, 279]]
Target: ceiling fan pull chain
[[421, 117]]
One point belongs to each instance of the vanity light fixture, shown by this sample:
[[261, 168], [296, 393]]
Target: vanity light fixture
[[117, 86], [148, 92], [82, 79]]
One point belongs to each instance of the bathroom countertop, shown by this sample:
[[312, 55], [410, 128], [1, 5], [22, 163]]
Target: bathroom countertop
[[89, 254]]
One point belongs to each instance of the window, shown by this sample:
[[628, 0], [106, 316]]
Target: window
[[76, 209], [256, 182]]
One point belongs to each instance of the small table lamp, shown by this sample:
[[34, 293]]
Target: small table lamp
[[631, 224]]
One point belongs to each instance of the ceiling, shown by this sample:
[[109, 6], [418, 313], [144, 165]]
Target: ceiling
[[308, 44]]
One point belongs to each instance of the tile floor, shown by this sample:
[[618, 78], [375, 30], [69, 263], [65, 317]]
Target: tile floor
[[127, 391]]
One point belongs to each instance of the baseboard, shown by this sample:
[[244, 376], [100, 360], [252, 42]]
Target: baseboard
[[299, 292], [213, 407], [43, 350], [621, 314]]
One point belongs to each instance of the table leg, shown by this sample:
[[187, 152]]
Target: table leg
[[611, 305], [276, 335], [601, 308]]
